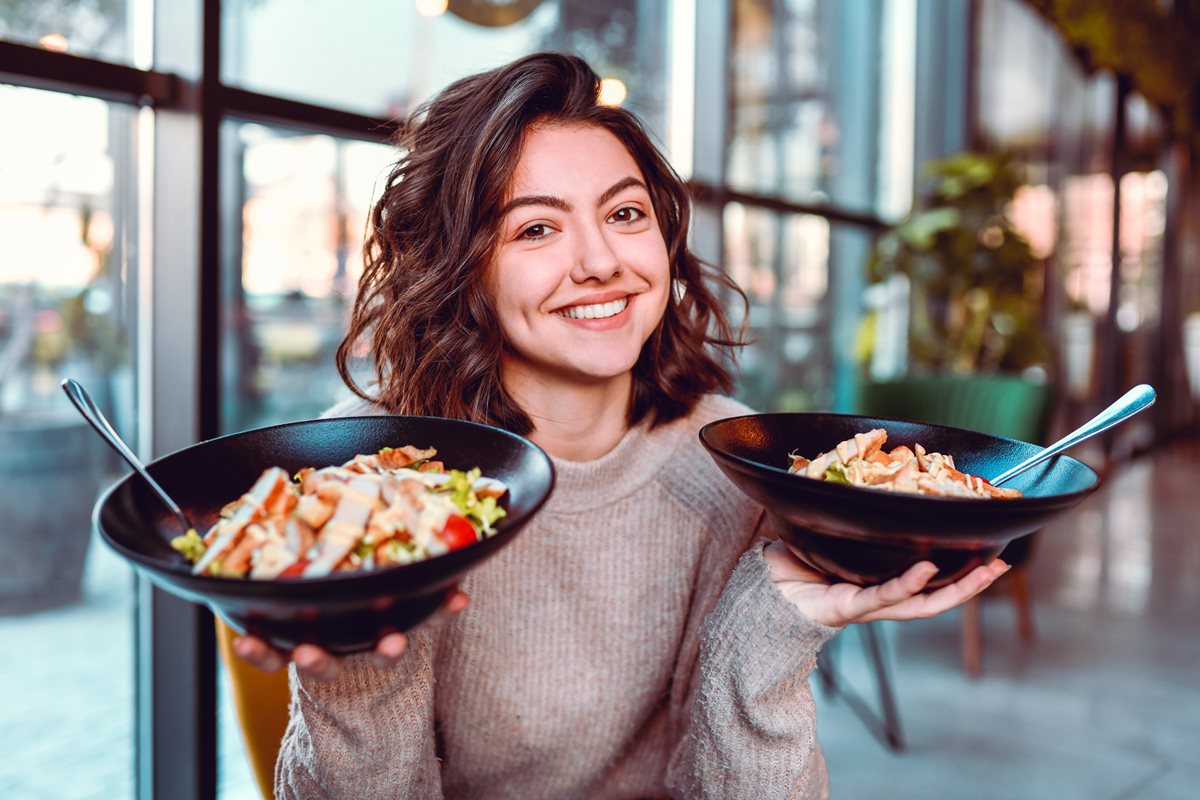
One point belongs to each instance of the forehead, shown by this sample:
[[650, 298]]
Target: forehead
[[563, 159]]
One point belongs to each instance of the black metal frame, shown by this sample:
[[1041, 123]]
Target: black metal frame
[[25, 65], [704, 192]]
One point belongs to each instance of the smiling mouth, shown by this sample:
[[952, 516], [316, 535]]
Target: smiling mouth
[[594, 311]]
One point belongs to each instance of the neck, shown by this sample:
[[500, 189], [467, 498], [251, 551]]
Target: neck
[[573, 421]]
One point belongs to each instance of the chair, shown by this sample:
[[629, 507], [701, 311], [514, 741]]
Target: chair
[[1002, 405], [261, 701]]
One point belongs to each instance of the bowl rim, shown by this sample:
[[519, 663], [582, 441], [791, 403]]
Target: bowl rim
[[171, 569], [904, 497]]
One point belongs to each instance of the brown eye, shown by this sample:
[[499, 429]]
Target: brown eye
[[535, 232], [627, 214]]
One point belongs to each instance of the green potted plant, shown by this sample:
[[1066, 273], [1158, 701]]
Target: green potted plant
[[974, 283], [965, 287]]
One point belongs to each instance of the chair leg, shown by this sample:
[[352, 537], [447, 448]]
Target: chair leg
[[1018, 584], [884, 724], [883, 679], [972, 638]]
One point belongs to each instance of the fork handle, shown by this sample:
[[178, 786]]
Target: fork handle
[[1136, 399]]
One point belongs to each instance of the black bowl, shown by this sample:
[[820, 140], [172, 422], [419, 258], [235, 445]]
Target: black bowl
[[868, 536], [344, 612]]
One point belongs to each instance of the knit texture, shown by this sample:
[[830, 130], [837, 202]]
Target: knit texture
[[629, 643]]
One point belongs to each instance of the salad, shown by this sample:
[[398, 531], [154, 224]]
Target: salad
[[861, 461], [396, 506]]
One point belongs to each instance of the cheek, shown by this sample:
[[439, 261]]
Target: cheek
[[518, 292]]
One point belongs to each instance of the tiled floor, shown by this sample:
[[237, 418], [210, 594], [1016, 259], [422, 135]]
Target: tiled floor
[[1103, 705]]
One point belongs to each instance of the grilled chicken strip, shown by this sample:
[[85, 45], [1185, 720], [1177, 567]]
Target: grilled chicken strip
[[271, 494]]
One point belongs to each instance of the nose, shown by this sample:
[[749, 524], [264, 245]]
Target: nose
[[595, 257]]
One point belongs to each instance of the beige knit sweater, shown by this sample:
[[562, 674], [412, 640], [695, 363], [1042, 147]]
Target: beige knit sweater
[[627, 644]]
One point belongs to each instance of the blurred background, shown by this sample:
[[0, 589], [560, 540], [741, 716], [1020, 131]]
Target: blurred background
[[980, 212]]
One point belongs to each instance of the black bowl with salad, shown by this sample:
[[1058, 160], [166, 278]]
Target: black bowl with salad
[[331, 531], [861, 499]]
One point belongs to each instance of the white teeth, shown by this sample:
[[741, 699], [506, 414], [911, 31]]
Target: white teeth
[[597, 311]]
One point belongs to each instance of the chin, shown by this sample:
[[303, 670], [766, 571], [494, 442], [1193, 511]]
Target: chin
[[601, 374]]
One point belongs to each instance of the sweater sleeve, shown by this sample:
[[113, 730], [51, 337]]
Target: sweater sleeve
[[751, 726], [368, 734]]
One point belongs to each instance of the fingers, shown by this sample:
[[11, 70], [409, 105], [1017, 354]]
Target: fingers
[[897, 590], [258, 653], [316, 663], [919, 606], [390, 648], [455, 602], [388, 651], [861, 605], [963, 590]]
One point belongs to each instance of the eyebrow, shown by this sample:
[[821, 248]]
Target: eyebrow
[[563, 205]]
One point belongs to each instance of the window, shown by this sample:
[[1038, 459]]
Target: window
[[820, 112], [68, 307], [305, 199]]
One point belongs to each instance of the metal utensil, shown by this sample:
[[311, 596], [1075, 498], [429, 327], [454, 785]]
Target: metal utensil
[[87, 407], [1136, 399]]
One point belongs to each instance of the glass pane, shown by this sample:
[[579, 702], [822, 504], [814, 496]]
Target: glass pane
[[384, 57], [780, 99], [305, 201], [1024, 74], [806, 86], [781, 261], [67, 301], [93, 28]]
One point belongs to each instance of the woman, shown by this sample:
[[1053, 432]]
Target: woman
[[643, 637]]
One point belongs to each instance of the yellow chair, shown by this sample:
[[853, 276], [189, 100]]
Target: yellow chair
[[261, 700]]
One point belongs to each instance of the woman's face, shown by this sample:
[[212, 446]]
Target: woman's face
[[581, 274]]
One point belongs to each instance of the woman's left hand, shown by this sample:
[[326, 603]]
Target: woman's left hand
[[840, 604]]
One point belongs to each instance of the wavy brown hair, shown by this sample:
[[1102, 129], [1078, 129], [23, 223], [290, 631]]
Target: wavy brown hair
[[423, 305]]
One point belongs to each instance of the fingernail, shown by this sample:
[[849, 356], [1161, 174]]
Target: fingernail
[[305, 659], [930, 570], [243, 648]]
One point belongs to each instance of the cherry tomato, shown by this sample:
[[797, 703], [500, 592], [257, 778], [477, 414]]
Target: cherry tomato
[[458, 533], [296, 570]]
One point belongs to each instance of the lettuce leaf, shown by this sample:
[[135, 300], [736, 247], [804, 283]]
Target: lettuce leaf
[[483, 512], [191, 546], [836, 473]]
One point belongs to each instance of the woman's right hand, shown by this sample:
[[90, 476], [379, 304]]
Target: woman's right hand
[[318, 664]]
